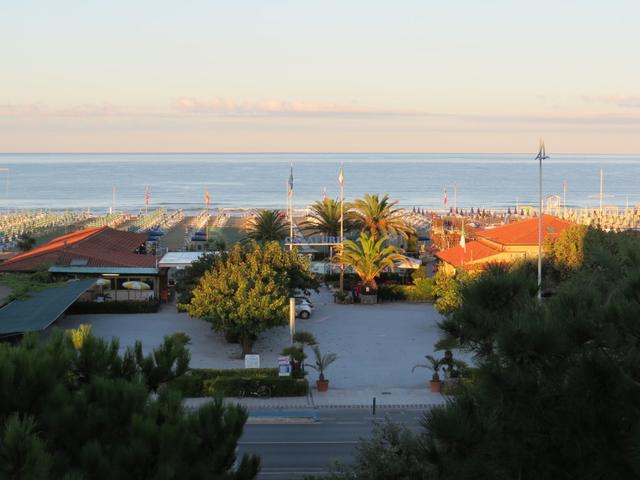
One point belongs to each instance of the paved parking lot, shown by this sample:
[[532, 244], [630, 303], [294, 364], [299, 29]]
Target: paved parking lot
[[376, 344]]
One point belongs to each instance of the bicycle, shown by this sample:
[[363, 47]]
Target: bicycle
[[252, 390]]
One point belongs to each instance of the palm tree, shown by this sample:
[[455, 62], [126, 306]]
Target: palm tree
[[379, 217], [25, 242], [369, 257], [324, 218], [268, 225], [322, 362]]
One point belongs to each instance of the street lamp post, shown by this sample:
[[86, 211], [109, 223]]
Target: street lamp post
[[542, 155]]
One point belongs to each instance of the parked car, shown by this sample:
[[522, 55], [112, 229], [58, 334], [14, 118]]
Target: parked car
[[304, 309], [302, 299]]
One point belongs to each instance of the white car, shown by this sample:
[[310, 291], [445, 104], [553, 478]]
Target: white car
[[304, 308]]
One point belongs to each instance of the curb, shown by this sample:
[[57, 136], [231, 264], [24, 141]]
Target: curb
[[382, 407]]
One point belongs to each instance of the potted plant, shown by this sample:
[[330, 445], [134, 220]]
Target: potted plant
[[433, 364], [454, 371], [296, 352], [321, 364]]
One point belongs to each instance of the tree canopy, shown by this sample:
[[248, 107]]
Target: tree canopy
[[247, 292], [268, 226], [369, 257], [85, 412], [187, 279], [324, 218], [379, 217]]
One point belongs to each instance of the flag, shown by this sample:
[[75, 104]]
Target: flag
[[341, 177], [463, 242], [290, 182], [445, 198], [324, 195], [207, 199]]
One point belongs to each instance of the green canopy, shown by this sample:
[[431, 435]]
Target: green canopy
[[41, 309]]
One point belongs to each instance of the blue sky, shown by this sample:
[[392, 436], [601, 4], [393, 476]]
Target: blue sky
[[319, 76]]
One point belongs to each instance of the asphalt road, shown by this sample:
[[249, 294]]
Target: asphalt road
[[291, 451]]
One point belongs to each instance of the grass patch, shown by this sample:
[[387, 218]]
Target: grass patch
[[230, 235], [22, 284]]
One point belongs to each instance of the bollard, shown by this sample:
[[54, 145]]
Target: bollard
[[374, 406]]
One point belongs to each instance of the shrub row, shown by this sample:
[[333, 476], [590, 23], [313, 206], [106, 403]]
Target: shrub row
[[125, 306], [420, 291], [200, 382], [231, 386]]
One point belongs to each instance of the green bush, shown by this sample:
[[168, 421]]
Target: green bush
[[126, 306], [192, 383], [421, 290], [230, 386], [391, 293]]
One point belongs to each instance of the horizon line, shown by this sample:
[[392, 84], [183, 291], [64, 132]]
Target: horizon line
[[301, 153]]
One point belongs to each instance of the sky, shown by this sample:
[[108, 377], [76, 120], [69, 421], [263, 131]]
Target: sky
[[319, 76]]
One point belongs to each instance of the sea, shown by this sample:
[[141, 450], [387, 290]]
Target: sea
[[78, 181]]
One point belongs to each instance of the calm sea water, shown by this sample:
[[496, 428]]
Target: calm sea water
[[77, 181]]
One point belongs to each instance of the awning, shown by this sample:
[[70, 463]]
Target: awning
[[179, 259], [42, 308], [409, 263]]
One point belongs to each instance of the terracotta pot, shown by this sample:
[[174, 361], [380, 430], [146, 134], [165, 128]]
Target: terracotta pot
[[323, 385], [436, 386]]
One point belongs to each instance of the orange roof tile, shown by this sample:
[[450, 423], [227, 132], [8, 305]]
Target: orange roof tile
[[100, 247], [526, 231], [457, 256]]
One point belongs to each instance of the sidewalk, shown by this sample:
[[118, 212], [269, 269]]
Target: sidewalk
[[341, 398]]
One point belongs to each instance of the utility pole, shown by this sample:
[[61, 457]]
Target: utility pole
[[290, 206], [601, 189], [341, 182], [542, 155]]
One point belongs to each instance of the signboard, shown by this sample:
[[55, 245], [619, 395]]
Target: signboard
[[324, 240], [284, 366], [252, 361]]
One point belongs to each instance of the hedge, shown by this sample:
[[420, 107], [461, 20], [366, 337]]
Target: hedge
[[230, 386], [391, 293], [125, 306], [199, 382], [420, 291]]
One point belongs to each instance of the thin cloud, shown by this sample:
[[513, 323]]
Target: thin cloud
[[191, 107], [19, 110], [619, 101], [271, 107]]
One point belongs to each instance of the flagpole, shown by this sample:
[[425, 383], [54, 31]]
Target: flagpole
[[290, 197], [542, 155], [341, 178], [291, 221]]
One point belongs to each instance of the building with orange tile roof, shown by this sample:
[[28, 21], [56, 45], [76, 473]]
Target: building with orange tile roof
[[94, 247], [113, 254], [503, 244]]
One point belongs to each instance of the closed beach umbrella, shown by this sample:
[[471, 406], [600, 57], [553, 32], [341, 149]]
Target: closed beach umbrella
[[136, 286]]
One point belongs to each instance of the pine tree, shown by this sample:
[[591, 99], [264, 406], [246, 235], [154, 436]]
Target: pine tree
[[87, 413]]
